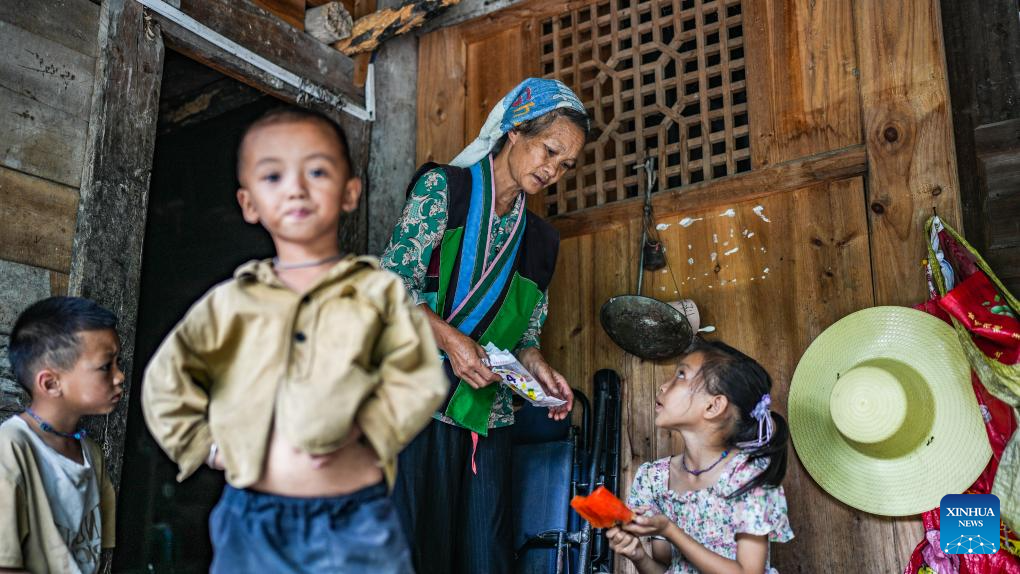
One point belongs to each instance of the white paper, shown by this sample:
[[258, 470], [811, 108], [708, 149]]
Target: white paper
[[515, 376]]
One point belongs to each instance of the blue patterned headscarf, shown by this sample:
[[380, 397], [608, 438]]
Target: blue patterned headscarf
[[531, 98]]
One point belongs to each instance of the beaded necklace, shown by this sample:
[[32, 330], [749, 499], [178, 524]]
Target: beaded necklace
[[47, 427], [698, 472]]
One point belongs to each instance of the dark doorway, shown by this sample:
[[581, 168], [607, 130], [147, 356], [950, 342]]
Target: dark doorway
[[194, 238]]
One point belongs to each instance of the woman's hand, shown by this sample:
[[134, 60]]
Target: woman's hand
[[466, 358], [625, 544], [553, 383]]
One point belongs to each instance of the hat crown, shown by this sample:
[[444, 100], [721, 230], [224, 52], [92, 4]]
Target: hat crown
[[868, 404]]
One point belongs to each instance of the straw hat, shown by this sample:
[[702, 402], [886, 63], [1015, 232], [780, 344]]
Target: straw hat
[[883, 415]]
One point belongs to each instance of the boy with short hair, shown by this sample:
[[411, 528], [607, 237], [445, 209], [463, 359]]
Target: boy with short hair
[[302, 377], [56, 499]]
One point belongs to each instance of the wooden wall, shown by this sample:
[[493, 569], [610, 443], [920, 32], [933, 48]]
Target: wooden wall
[[47, 66], [983, 57], [852, 149]]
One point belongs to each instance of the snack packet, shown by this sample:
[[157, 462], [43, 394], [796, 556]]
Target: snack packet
[[602, 509], [515, 376]]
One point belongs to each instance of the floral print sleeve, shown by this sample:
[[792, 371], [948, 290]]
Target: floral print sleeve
[[762, 511], [531, 335], [418, 231]]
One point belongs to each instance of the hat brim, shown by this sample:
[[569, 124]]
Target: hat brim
[[947, 460]]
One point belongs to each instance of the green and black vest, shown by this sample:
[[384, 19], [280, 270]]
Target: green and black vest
[[489, 301]]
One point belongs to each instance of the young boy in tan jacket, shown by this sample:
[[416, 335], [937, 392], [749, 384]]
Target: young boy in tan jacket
[[302, 377], [56, 500]]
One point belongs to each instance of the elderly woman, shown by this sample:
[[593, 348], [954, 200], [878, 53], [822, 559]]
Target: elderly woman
[[479, 264]]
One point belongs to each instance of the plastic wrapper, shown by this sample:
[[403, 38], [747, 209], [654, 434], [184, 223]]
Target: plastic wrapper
[[515, 376]]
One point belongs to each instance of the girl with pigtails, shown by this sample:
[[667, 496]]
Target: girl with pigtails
[[716, 505]]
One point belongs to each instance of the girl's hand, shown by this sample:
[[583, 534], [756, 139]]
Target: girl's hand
[[625, 544], [649, 525], [553, 383]]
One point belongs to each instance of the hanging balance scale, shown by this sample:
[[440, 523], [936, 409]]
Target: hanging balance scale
[[645, 327]]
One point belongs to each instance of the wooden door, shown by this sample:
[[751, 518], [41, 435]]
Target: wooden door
[[798, 163]]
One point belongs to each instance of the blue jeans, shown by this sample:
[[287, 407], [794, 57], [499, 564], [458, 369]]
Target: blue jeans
[[257, 532]]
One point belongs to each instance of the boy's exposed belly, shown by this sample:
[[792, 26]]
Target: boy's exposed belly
[[292, 472]]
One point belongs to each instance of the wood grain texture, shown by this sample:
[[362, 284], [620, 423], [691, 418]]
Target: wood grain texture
[[40, 140], [275, 40], [45, 71], [73, 23], [37, 219], [772, 180], [802, 78], [441, 96], [290, 11], [908, 133], [107, 252], [376, 27]]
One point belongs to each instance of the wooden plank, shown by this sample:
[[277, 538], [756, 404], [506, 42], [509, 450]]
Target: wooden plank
[[107, 254], [37, 219], [59, 283], [775, 179], [218, 98], [487, 84], [375, 28], [45, 71], [801, 74], [20, 286], [73, 23], [441, 96], [466, 11], [982, 42], [41, 140], [392, 162], [290, 11], [908, 133], [271, 38]]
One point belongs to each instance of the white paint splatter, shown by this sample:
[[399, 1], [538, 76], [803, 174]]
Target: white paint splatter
[[763, 250], [765, 271], [663, 288], [759, 211], [733, 280], [662, 226], [715, 238], [752, 278], [722, 282], [748, 233], [725, 243], [689, 247], [731, 232], [664, 271], [728, 213], [732, 251], [763, 277], [688, 221], [713, 256], [690, 261], [709, 286], [705, 274]]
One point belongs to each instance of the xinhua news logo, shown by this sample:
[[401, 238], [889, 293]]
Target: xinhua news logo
[[969, 524]]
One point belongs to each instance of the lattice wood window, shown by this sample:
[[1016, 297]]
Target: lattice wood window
[[659, 77]]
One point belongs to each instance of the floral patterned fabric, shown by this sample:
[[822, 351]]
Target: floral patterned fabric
[[418, 232], [707, 515]]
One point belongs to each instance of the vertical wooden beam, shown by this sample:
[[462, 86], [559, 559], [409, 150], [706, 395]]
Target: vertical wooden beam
[[909, 136], [392, 161], [107, 254]]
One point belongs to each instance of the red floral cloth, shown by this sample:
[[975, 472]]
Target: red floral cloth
[[1000, 424]]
